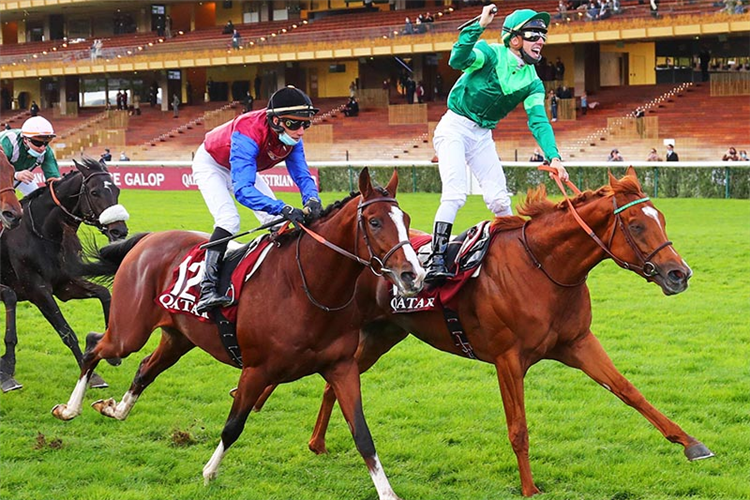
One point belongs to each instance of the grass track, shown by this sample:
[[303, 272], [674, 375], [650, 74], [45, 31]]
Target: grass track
[[437, 420]]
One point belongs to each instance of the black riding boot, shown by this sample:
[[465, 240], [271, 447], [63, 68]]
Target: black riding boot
[[437, 272], [210, 298]]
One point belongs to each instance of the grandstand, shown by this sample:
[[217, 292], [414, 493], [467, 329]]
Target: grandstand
[[632, 59]]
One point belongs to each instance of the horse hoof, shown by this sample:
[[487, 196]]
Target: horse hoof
[[10, 384], [317, 448], [698, 451], [61, 411], [96, 382], [233, 392]]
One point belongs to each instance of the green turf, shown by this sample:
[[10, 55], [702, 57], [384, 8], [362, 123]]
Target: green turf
[[436, 419]]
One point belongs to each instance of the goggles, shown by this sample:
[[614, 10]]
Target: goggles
[[40, 143], [293, 124], [533, 36]]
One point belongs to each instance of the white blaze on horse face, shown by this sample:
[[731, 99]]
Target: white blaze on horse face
[[397, 216], [107, 185], [653, 213]]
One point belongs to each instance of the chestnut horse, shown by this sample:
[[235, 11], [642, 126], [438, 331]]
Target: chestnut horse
[[38, 259], [290, 317], [530, 302], [10, 208]]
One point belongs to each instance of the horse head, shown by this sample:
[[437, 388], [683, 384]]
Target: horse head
[[98, 200], [10, 207], [639, 238], [385, 231]]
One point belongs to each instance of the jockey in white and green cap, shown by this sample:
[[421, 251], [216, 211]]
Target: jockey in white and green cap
[[496, 79]]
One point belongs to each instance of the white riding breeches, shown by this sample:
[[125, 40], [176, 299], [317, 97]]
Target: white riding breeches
[[215, 184], [460, 142], [26, 188]]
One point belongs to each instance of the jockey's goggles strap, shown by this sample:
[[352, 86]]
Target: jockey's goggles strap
[[628, 205]]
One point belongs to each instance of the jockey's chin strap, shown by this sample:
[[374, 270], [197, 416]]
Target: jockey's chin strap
[[647, 269], [374, 263]]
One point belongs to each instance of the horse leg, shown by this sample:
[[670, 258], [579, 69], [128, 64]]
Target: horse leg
[[8, 361], [71, 409], [47, 305], [127, 334], [589, 356], [82, 289], [172, 347], [251, 385], [344, 379], [510, 375], [375, 339]]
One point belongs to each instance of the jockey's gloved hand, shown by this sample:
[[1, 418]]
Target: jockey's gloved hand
[[314, 208], [292, 214]]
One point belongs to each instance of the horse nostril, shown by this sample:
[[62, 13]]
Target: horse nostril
[[408, 277], [676, 276]]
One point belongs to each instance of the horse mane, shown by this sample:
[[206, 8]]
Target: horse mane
[[537, 204], [325, 213]]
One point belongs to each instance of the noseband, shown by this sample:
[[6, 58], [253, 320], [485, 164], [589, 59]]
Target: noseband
[[374, 263], [646, 268]]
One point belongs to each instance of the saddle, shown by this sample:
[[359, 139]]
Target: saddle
[[465, 252]]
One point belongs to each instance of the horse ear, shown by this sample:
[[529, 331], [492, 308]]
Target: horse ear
[[78, 166], [612, 179], [392, 186], [631, 173], [365, 183]]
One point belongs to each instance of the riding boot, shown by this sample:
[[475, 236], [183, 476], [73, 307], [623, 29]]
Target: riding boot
[[210, 298], [437, 272]]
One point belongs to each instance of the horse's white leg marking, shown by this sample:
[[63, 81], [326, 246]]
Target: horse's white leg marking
[[120, 411], [385, 492], [211, 469], [73, 408], [403, 235]]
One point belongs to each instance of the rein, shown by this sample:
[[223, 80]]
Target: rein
[[647, 268], [374, 264]]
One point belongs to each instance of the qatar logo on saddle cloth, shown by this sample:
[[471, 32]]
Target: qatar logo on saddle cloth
[[464, 257], [184, 290]]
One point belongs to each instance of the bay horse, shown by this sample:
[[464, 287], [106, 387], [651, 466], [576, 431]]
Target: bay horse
[[290, 315], [10, 208], [530, 302], [38, 260]]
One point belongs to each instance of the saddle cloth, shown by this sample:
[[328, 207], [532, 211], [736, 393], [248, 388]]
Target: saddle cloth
[[464, 257], [239, 265]]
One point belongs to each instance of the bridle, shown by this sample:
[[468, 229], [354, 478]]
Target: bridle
[[373, 263], [646, 268], [89, 217]]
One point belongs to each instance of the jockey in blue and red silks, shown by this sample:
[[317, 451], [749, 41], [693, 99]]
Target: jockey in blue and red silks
[[226, 166]]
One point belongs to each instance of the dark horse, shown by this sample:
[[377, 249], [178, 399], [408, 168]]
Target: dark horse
[[39, 258], [518, 312], [290, 315]]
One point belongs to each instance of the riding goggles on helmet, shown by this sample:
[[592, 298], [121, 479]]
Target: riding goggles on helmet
[[293, 124], [40, 143], [533, 36]]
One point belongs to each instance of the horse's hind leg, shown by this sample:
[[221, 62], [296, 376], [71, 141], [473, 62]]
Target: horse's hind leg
[[8, 361], [251, 385], [344, 379], [172, 347], [375, 339], [71, 409], [588, 355], [47, 305]]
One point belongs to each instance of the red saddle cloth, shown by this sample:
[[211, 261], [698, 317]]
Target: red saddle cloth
[[184, 290], [442, 296]]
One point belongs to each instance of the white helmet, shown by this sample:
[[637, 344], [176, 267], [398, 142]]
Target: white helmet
[[36, 126]]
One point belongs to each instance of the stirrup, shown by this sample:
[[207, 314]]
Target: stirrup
[[212, 300]]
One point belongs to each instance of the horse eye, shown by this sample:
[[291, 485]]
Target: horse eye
[[636, 227], [95, 193], [374, 223]]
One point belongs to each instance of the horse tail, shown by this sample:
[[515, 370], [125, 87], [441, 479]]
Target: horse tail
[[101, 264]]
